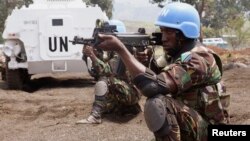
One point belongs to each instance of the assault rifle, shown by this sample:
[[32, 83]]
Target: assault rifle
[[136, 40], [139, 40]]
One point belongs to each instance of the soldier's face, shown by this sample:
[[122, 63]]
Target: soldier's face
[[169, 40]]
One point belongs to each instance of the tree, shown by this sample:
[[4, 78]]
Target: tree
[[6, 6], [238, 34], [208, 32], [227, 16], [217, 14], [3, 16], [106, 5]]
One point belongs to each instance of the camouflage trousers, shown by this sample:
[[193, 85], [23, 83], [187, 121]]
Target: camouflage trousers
[[120, 94], [190, 125]]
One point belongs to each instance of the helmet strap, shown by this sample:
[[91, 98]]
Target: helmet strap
[[183, 44]]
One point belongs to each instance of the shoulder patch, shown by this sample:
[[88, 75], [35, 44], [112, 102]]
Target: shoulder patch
[[185, 57]]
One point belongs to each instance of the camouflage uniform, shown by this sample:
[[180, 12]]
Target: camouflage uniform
[[121, 94], [197, 102]]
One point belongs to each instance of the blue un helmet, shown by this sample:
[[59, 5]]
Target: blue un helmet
[[181, 16], [120, 26]]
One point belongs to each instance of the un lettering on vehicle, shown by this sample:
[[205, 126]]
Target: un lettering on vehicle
[[58, 46]]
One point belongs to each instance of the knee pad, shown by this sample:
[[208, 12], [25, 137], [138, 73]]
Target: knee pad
[[159, 115], [155, 113], [101, 88]]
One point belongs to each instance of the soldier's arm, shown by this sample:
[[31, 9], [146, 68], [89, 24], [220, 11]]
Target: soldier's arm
[[147, 81], [102, 68], [111, 43]]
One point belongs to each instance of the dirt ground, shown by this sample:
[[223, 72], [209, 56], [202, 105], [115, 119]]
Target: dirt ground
[[48, 112]]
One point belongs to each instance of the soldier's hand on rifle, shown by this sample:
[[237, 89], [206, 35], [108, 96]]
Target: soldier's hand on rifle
[[110, 43], [144, 57], [89, 52]]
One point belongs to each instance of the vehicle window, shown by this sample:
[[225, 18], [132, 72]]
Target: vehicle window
[[57, 22]]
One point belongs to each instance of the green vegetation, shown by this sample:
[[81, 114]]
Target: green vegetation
[[1, 38], [222, 17], [132, 26], [106, 5]]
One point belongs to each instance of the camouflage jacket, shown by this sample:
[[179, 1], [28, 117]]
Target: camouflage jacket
[[194, 74], [112, 67]]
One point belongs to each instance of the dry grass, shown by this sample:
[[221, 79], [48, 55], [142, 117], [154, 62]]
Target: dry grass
[[241, 55]]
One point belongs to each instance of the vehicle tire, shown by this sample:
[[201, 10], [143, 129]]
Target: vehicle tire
[[3, 74], [16, 79]]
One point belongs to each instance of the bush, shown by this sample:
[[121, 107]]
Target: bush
[[1, 38]]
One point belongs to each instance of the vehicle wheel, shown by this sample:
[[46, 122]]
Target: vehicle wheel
[[16, 79], [3, 74]]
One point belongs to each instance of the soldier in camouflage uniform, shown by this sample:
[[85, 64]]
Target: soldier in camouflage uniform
[[112, 92], [183, 95]]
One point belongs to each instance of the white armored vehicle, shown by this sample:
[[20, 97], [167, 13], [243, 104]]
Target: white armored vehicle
[[37, 38]]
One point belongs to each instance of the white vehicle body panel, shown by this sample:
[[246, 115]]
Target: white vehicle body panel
[[45, 28]]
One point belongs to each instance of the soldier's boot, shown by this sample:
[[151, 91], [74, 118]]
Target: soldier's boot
[[100, 104], [95, 116]]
